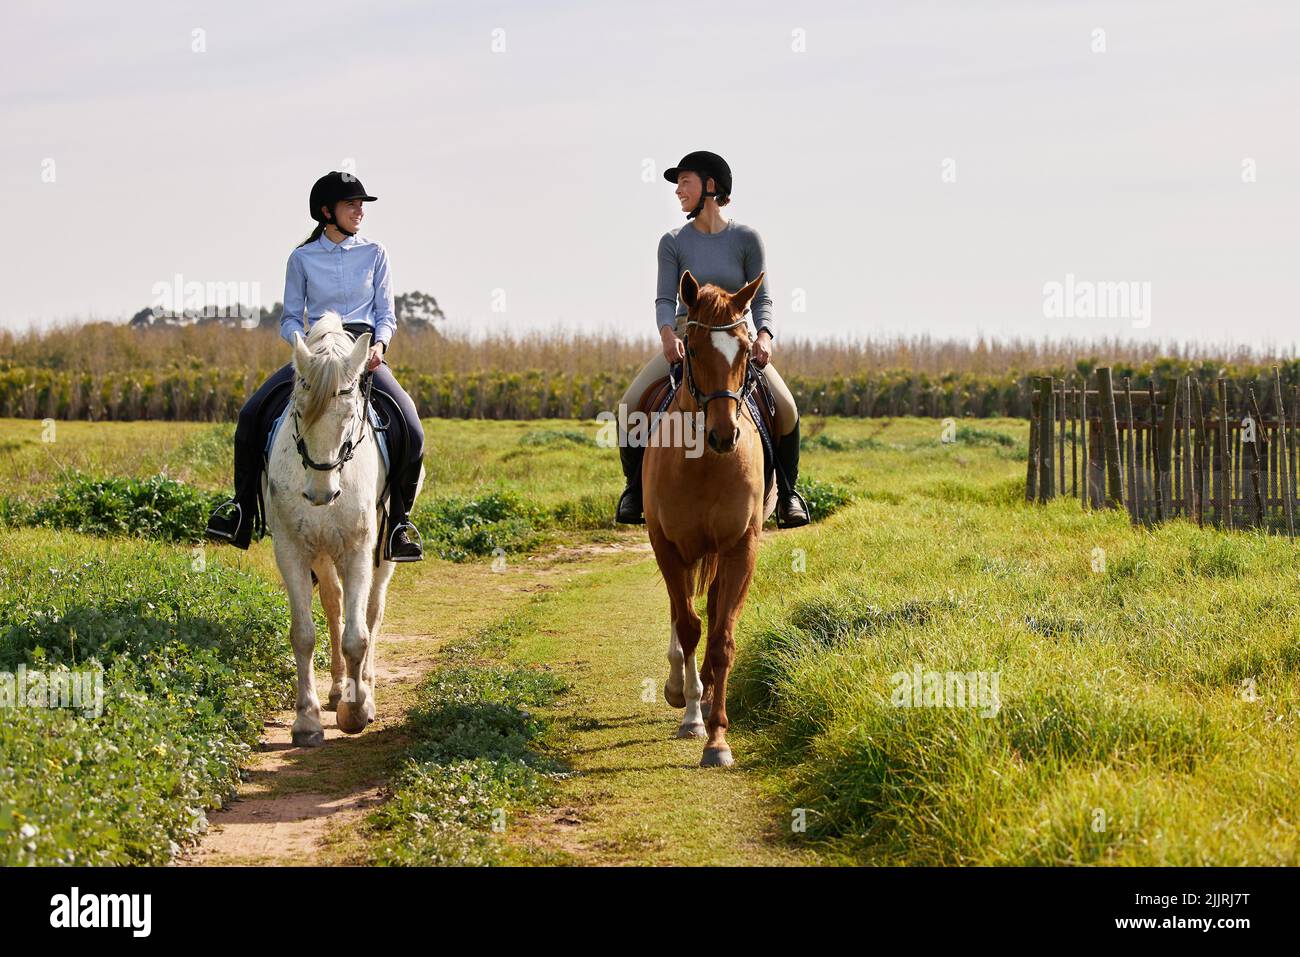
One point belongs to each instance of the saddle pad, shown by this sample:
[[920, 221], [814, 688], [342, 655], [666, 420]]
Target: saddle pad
[[381, 438]]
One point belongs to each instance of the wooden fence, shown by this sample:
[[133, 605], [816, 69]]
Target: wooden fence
[[1223, 455]]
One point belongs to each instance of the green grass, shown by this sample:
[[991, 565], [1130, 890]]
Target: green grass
[[1148, 708], [474, 759], [1149, 678], [193, 654]]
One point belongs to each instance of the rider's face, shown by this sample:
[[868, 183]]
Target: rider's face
[[688, 189], [348, 214]]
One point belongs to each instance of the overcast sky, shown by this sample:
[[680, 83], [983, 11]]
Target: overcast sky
[[914, 167]]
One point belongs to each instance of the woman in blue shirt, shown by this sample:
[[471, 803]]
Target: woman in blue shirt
[[335, 270]]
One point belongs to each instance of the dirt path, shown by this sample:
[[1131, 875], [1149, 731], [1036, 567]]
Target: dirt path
[[300, 805], [274, 822], [636, 795]]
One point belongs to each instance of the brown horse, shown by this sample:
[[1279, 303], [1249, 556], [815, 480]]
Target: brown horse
[[705, 513]]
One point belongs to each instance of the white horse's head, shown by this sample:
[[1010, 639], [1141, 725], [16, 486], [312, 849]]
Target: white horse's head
[[327, 402]]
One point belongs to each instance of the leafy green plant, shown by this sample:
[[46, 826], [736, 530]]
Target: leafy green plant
[[472, 757], [157, 507], [823, 498], [191, 661]]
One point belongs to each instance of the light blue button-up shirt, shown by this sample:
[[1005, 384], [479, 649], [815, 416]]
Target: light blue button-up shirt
[[351, 278]]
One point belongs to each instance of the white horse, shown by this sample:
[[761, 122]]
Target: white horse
[[322, 491]]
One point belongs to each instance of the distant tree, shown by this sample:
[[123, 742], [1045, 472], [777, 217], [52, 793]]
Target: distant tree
[[414, 309], [417, 309], [270, 318]]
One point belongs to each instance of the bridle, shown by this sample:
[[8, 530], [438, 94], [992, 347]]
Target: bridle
[[366, 381], [748, 384]]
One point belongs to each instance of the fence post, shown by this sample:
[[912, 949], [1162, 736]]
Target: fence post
[[1059, 399], [1110, 437], [1031, 470], [1046, 432], [1189, 491], [1225, 456], [1130, 441], [1083, 435], [1166, 446], [1284, 483], [1256, 489]]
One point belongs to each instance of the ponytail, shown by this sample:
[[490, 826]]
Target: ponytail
[[315, 235]]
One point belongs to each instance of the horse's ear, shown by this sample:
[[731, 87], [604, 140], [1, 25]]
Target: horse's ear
[[360, 351], [689, 290], [301, 354], [741, 299]]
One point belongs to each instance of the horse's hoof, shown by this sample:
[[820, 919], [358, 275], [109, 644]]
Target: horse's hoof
[[717, 758], [333, 703], [675, 698], [308, 739], [350, 719], [695, 730]]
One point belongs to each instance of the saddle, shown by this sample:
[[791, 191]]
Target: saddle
[[758, 400]]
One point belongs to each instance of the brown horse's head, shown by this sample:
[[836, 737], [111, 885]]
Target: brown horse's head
[[717, 354]]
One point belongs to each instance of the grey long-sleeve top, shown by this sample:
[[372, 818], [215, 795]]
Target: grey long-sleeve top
[[729, 258]]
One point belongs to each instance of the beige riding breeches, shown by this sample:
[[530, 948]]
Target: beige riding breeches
[[786, 413]]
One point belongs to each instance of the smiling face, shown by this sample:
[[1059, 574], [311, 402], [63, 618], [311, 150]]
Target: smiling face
[[348, 214], [689, 188]]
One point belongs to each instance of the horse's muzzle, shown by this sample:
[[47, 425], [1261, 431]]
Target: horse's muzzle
[[723, 448], [323, 501]]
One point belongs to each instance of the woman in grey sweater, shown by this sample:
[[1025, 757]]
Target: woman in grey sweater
[[726, 254]]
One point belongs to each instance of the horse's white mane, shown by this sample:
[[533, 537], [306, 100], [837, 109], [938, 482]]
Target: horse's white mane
[[330, 348]]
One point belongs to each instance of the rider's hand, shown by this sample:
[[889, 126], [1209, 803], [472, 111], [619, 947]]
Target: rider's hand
[[674, 350], [376, 357], [763, 348]]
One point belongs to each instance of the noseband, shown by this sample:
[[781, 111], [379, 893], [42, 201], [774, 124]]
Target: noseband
[[748, 384], [349, 446]]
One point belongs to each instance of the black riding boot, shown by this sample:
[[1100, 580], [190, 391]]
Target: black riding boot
[[233, 520], [404, 542], [791, 509], [629, 503]]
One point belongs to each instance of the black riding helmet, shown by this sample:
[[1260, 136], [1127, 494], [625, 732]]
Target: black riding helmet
[[704, 164], [334, 188]]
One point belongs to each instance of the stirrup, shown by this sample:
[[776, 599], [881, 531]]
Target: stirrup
[[388, 545], [218, 534]]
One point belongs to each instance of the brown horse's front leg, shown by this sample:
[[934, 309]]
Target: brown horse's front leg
[[735, 569], [682, 689], [706, 669]]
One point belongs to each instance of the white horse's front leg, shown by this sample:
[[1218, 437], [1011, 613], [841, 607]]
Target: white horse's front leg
[[296, 571], [375, 615], [357, 706], [331, 599]]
